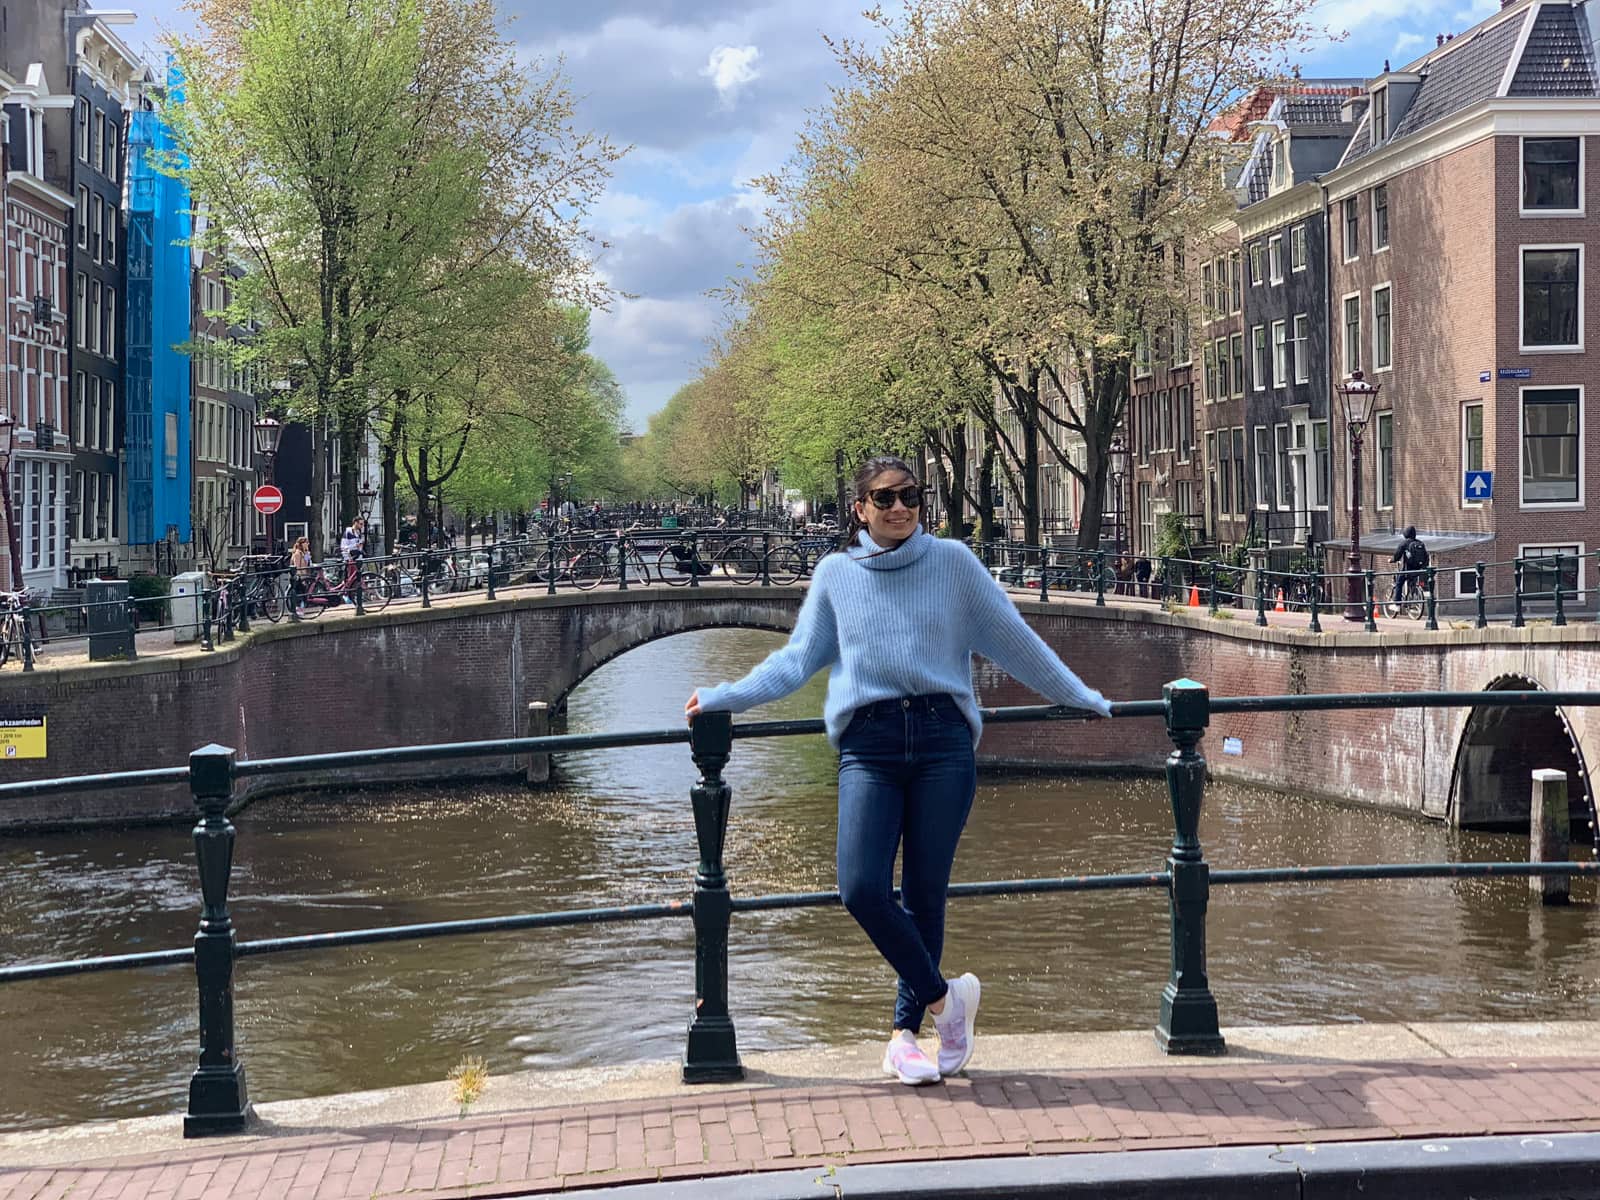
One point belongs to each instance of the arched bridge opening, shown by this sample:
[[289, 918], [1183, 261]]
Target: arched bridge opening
[[1499, 750]]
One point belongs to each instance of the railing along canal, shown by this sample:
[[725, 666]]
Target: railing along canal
[[1187, 1021]]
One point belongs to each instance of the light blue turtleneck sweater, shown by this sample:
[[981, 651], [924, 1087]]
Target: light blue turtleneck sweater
[[904, 622]]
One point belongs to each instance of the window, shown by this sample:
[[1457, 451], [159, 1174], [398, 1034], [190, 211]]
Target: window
[[1141, 357], [1258, 270], [1380, 217], [1352, 334], [1552, 300], [1208, 305], [110, 344], [81, 129], [1212, 473], [1352, 228], [1552, 175], [99, 139], [1210, 354], [1471, 444], [1385, 423], [1542, 564], [1380, 115], [1322, 465], [108, 412], [1223, 388], [79, 413], [1240, 469], [79, 312], [1285, 489], [97, 221], [83, 218], [1297, 248], [1302, 348], [1185, 422], [1180, 341], [1236, 281], [1275, 259], [113, 149], [170, 446], [1280, 355], [1280, 164], [1258, 356], [1263, 466], [1382, 345], [1236, 344], [111, 235], [1551, 424], [95, 316]]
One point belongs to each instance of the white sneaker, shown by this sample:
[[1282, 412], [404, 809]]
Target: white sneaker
[[905, 1060], [955, 1023]]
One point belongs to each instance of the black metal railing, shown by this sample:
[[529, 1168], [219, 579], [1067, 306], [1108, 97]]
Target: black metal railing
[[1187, 1020]]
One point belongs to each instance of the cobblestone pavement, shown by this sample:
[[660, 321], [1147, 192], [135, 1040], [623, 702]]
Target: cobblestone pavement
[[742, 1130]]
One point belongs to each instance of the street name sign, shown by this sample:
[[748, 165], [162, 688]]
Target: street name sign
[[1478, 485]]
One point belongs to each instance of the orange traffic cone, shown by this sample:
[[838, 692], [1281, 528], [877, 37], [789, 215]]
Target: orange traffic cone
[[1194, 596], [1278, 607]]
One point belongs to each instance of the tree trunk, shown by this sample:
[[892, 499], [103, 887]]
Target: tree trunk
[[316, 527], [390, 501], [986, 488], [840, 489]]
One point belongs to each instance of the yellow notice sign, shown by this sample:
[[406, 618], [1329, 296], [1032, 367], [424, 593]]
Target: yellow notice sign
[[22, 737]]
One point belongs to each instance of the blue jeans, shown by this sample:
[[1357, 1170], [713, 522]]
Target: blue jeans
[[906, 775]]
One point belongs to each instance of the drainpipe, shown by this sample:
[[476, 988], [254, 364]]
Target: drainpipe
[[1328, 327]]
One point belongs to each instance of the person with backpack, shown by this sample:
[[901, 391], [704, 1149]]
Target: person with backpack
[[1412, 556]]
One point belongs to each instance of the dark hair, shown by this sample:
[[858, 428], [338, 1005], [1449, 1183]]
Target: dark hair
[[865, 474], [1411, 531]]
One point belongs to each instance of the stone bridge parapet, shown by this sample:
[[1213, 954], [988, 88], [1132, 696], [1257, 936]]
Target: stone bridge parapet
[[468, 671]]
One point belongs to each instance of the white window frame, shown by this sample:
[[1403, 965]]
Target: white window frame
[[1262, 435], [1236, 363], [1235, 282], [1258, 357], [1384, 368], [1466, 573], [1372, 204], [1297, 238], [1345, 240], [1522, 430], [1280, 354], [1522, 176], [1324, 483], [1280, 456], [1344, 332], [1378, 497], [1580, 552], [1301, 341], [1258, 263], [1484, 412], [1275, 259], [1522, 251]]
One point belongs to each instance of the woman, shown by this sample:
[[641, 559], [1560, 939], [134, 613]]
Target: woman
[[897, 619], [300, 570]]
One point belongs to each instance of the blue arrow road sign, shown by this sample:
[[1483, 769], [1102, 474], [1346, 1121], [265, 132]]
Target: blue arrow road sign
[[1478, 485]]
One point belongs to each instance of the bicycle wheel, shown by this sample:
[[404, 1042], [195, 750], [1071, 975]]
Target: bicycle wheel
[[638, 569], [785, 565], [374, 591], [269, 600], [588, 569], [670, 570], [740, 563], [315, 601], [7, 634]]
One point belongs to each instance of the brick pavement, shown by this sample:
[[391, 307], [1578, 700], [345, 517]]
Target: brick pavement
[[733, 1131]]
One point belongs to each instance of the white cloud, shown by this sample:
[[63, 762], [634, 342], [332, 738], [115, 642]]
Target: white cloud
[[1406, 43], [730, 68]]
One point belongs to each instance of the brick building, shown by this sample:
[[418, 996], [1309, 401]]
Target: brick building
[[222, 414]]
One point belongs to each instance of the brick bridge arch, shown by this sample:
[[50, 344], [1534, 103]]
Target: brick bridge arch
[[1497, 749], [592, 634]]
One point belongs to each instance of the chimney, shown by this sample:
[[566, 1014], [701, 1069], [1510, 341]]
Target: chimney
[[1438, 39]]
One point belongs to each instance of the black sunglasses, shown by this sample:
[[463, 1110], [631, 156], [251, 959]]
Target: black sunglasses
[[884, 498]]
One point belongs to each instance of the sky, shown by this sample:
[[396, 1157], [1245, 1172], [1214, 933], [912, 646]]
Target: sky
[[709, 95]]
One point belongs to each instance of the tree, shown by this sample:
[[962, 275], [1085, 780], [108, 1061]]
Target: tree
[[1011, 169], [374, 161]]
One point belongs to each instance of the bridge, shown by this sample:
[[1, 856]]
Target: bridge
[[475, 669]]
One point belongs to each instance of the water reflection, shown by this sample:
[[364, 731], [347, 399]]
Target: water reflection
[[618, 830]]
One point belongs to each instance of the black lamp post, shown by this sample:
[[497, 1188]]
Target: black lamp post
[[267, 432], [13, 530], [1359, 396], [1118, 458], [367, 495]]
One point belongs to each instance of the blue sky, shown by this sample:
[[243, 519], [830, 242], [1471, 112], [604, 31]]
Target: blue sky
[[710, 93]]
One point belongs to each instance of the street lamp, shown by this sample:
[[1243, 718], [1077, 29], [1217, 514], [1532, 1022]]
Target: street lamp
[[13, 531], [266, 433], [1359, 396], [1118, 457], [367, 494]]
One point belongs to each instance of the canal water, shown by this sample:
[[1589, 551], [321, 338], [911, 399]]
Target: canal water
[[618, 830]]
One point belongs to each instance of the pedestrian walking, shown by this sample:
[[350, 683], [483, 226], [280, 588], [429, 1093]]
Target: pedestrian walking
[[352, 547], [897, 619]]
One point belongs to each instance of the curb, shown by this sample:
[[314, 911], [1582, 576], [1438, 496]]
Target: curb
[[1533, 1167]]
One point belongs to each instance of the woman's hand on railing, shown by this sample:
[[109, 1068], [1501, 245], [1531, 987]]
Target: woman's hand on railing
[[691, 707]]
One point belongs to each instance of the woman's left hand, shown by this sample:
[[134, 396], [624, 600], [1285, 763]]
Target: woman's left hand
[[691, 707]]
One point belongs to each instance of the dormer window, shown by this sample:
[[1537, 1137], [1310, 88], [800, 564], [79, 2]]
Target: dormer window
[[1280, 164], [1380, 115]]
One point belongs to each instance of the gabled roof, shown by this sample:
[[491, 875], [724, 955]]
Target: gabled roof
[[1558, 59], [1469, 73]]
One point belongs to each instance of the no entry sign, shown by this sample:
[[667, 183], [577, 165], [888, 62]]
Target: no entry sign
[[267, 499]]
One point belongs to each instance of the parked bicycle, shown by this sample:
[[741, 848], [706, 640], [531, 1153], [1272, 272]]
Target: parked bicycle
[[312, 597], [680, 560], [14, 635], [793, 561]]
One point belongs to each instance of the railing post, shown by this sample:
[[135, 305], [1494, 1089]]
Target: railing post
[[218, 1099], [1371, 625], [1315, 585], [1516, 593], [1100, 578], [552, 544], [1261, 597], [622, 564], [205, 620], [26, 649], [1044, 575], [424, 568], [243, 605], [488, 581], [1211, 585], [694, 560], [1432, 599], [1561, 607], [712, 1053], [766, 558], [1188, 1022], [1166, 572], [225, 625], [1483, 611]]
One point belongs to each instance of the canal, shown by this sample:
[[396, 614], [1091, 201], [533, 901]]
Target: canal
[[618, 830]]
